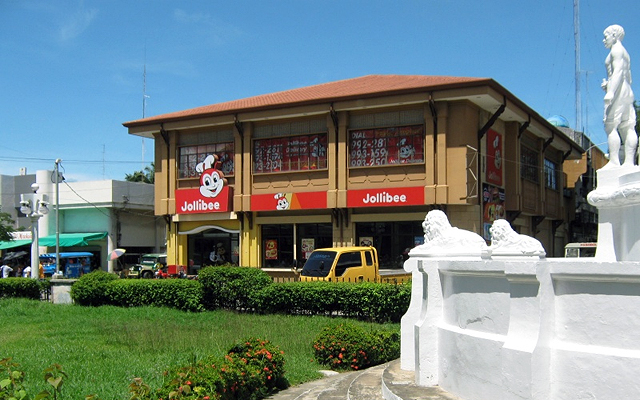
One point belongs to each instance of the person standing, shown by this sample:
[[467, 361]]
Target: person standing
[[619, 113], [6, 270]]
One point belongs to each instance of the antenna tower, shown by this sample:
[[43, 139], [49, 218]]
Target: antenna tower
[[576, 36]]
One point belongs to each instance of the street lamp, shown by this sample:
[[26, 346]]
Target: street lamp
[[34, 206]]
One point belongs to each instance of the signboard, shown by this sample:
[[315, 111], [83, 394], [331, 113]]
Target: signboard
[[386, 146], [191, 201], [288, 201], [213, 195], [494, 158], [493, 207], [406, 196]]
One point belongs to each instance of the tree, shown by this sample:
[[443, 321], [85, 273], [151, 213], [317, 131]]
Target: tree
[[6, 226], [146, 176]]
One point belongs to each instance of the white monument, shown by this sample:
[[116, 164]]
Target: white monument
[[505, 322], [617, 195]]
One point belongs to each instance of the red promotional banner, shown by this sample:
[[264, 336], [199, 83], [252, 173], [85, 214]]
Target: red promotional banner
[[191, 201], [406, 196], [288, 201], [494, 157]]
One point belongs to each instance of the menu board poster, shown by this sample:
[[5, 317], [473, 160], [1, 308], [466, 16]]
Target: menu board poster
[[271, 249], [386, 146], [294, 153]]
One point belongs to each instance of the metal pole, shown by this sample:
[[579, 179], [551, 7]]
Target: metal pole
[[35, 250], [57, 172]]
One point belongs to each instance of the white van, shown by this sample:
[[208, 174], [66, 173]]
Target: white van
[[580, 249]]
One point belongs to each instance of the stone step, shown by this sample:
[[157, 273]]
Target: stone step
[[382, 382], [398, 384]]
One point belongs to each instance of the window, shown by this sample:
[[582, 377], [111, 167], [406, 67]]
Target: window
[[292, 153], [529, 165], [386, 146], [193, 148], [190, 156], [550, 174]]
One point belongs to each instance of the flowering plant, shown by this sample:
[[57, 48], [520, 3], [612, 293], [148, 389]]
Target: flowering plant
[[347, 346]]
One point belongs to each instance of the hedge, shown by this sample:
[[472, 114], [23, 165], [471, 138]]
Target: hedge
[[232, 287], [182, 294], [379, 302], [20, 287], [101, 288]]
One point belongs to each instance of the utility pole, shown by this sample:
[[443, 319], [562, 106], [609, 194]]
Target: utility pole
[[576, 36]]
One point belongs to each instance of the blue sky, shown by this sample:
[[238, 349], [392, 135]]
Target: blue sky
[[71, 71]]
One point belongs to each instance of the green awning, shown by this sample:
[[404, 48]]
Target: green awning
[[72, 239], [14, 243]]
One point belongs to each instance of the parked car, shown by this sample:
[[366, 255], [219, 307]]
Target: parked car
[[149, 265]]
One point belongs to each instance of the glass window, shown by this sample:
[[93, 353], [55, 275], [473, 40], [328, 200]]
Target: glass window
[[292, 153], [190, 156], [393, 240], [529, 165], [386, 146], [550, 174], [277, 241]]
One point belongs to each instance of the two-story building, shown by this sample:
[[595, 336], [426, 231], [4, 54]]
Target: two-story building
[[264, 180]]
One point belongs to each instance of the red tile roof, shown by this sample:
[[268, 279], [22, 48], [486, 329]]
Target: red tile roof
[[365, 86]]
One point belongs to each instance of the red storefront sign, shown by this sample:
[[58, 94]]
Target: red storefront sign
[[406, 196], [494, 158], [191, 201], [288, 201]]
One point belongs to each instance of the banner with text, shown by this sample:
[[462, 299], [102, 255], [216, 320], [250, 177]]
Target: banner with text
[[406, 196], [191, 201]]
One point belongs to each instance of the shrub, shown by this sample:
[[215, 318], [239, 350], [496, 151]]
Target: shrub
[[231, 287], [182, 294], [90, 289], [251, 370], [378, 302], [20, 287], [347, 346]]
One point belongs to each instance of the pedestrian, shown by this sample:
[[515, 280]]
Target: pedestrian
[[26, 273], [6, 270]]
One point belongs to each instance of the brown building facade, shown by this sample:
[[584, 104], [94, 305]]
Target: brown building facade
[[263, 181]]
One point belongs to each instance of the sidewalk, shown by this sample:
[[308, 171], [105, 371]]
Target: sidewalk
[[382, 382]]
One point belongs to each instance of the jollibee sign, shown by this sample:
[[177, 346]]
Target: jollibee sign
[[213, 195], [406, 196]]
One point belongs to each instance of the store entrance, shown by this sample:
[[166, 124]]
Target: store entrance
[[212, 247]]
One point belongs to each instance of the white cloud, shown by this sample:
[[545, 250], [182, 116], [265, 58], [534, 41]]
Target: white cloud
[[76, 24]]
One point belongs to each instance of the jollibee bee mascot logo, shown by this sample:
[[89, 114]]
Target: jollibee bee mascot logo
[[284, 201], [212, 179]]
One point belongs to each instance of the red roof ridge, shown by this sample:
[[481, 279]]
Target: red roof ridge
[[363, 86]]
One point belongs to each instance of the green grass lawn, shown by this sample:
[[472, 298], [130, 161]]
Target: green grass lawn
[[102, 349]]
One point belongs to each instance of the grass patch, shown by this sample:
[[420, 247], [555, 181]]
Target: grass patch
[[103, 348]]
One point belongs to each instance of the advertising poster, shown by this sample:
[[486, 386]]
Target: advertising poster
[[493, 207], [308, 245], [271, 249], [494, 158]]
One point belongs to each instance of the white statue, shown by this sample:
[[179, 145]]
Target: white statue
[[619, 113], [507, 242], [441, 239]]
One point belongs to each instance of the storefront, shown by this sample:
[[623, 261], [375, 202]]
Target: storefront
[[264, 181]]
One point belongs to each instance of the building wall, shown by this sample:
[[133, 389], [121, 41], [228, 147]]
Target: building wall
[[453, 175]]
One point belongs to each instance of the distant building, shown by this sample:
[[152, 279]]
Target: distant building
[[581, 179], [94, 216]]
